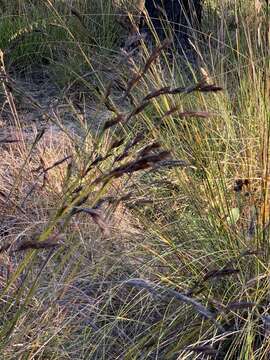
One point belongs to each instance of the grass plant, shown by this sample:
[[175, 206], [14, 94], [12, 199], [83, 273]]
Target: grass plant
[[135, 213]]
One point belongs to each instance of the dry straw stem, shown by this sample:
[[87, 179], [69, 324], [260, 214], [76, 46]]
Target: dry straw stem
[[157, 289], [200, 86], [52, 242], [205, 350], [122, 118], [153, 57]]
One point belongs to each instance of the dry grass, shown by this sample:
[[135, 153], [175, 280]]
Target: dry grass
[[146, 236]]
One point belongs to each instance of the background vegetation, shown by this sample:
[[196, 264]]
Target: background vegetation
[[134, 188]]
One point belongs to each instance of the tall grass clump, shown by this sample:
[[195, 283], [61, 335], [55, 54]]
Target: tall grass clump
[[60, 34], [140, 230], [212, 241]]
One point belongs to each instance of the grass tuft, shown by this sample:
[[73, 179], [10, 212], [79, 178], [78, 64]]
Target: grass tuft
[[134, 185]]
